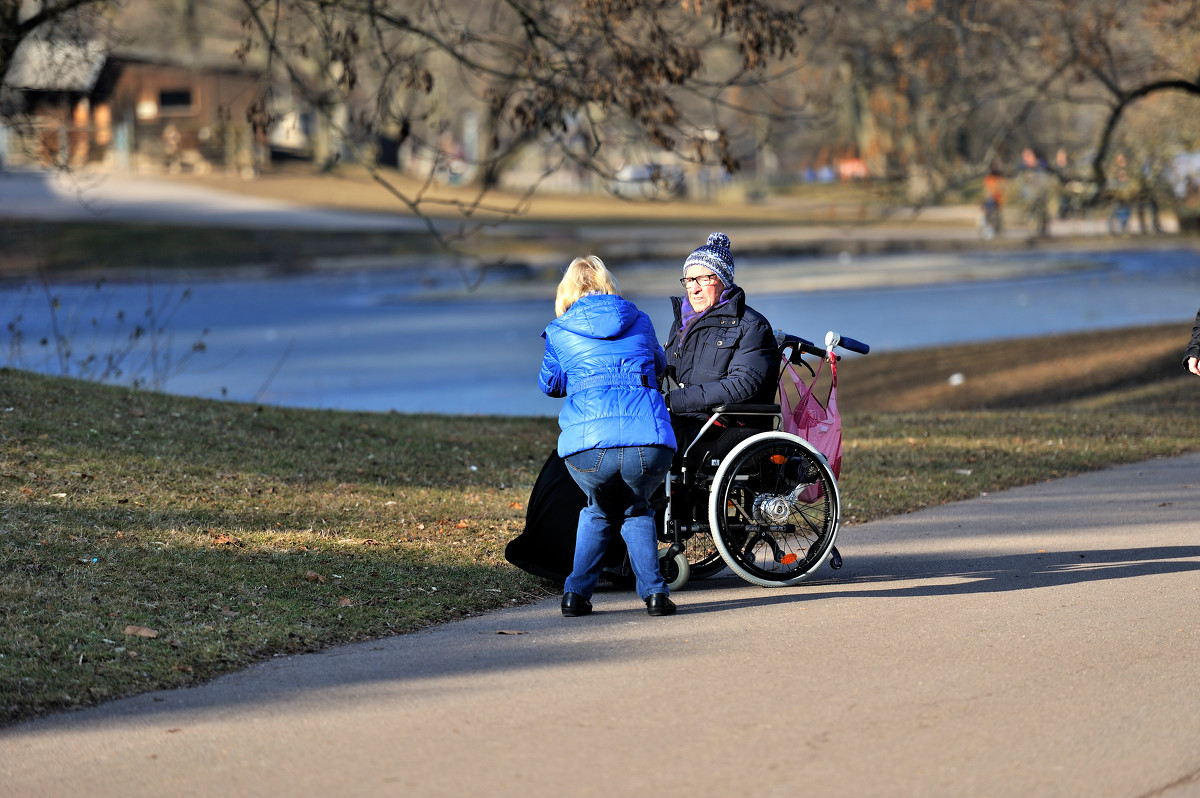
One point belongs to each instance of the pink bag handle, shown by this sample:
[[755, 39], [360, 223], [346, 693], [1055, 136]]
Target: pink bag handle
[[806, 395]]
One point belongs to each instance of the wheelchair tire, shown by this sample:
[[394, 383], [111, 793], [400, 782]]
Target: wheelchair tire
[[774, 509], [675, 570]]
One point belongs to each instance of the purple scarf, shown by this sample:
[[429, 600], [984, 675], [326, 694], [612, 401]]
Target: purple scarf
[[687, 315]]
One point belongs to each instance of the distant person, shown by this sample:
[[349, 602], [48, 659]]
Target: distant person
[[1147, 183], [616, 439], [1035, 191], [993, 187], [992, 218], [1191, 358]]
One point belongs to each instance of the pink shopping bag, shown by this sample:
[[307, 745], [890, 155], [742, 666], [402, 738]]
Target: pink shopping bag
[[805, 416]]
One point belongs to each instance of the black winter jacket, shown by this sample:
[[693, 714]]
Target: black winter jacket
[[728, 355], [1193, 349]]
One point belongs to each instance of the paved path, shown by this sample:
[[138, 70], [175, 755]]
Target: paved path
[[1042, 641], [98, 196], [86, 197]]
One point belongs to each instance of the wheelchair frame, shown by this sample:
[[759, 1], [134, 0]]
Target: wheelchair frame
[[772, 503]]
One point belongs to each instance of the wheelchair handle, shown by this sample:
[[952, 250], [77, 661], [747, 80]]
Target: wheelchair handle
[[833, 339], [800, 346]]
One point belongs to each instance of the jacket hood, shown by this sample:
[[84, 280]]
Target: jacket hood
[[598, 316]]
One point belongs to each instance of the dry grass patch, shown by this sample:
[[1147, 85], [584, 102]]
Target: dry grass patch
[[236, 532], [351, 187], [1029, 372]]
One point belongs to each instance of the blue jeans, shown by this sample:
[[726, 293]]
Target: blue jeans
[[618, 483]]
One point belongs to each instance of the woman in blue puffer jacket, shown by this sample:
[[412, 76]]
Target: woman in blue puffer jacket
[[617, 441]]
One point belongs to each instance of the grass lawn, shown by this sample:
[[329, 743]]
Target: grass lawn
[[152, 541], [236, 532]]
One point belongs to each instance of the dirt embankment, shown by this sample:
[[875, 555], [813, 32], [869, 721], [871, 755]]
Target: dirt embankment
[[1021, 373]]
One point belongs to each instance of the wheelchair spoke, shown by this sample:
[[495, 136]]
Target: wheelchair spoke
[[703, 555]]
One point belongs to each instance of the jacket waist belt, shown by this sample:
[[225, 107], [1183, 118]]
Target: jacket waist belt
[[611, 380]]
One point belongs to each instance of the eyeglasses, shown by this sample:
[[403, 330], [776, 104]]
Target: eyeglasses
[[704, 280]]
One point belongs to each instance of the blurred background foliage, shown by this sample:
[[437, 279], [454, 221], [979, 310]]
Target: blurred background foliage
[[1078, 101]]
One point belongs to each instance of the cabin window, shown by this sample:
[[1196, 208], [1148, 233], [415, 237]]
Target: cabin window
[[175, 101]]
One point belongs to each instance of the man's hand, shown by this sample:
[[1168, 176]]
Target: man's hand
[[1194, 366]]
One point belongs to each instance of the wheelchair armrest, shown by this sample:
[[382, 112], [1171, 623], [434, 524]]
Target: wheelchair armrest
[[740, 409]]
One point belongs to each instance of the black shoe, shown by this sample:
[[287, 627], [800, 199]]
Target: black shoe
[[659, 604], [575, 605]]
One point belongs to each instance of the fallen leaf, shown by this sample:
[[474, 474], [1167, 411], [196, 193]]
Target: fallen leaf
[[140, 631], [459, 525], [510, 632], [182, 668], [221, 539], [515, 505], [313, 576], [345, 601], [370, 542]]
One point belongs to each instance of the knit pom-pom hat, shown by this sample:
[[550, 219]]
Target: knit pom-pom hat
[[714, 256]]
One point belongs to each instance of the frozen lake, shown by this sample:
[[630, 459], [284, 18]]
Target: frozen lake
[[381, 340]]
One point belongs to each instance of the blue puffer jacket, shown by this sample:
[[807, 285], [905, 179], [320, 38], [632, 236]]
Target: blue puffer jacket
[[603, 356]]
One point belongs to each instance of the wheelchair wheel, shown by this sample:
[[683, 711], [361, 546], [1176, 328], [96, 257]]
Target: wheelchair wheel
[[675, 570], [774, 509]]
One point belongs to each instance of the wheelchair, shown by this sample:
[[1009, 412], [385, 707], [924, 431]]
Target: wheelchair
[[763, 502]]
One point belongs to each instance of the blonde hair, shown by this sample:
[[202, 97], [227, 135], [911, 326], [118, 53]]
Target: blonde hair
[[584, 276]]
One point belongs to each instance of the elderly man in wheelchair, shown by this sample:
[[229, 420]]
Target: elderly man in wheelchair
[[741, 493]]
